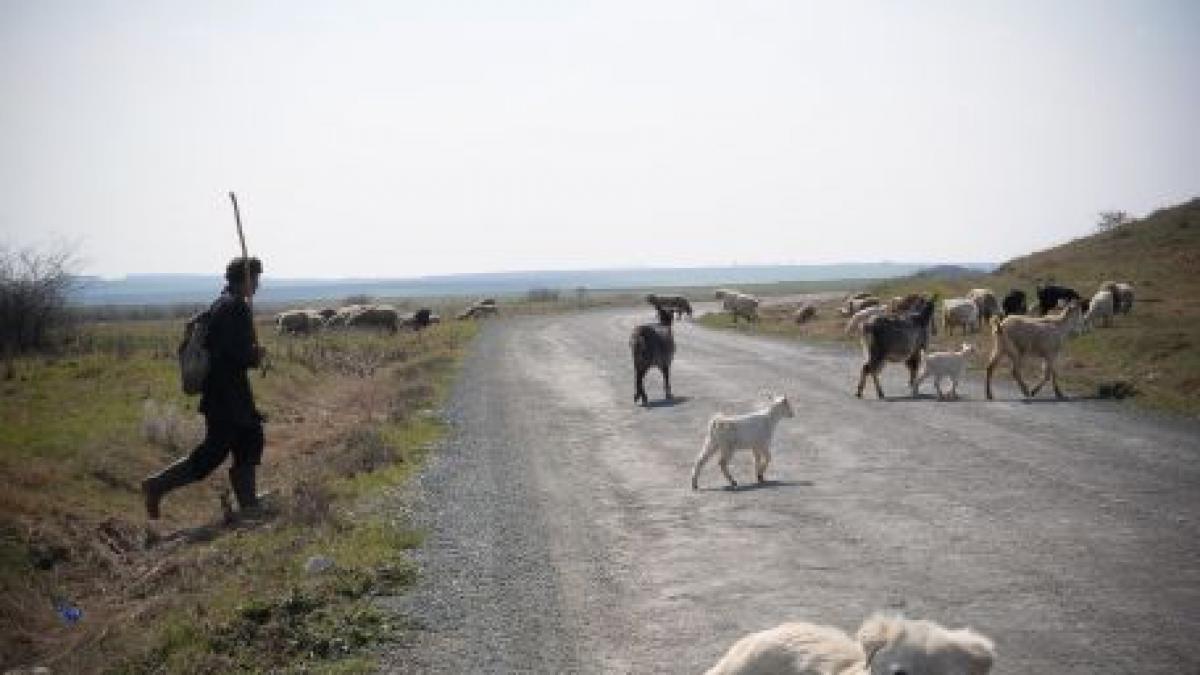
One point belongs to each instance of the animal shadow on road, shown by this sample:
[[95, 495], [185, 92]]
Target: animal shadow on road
[[755, 485], [667, 403]]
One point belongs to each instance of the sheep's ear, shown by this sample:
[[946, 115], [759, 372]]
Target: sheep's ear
[[979, 651], [876, 632]]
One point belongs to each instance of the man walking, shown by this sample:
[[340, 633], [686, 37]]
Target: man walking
[[232, 423]]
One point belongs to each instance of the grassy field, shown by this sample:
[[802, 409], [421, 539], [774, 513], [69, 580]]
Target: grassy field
[[1155, 349], [349, 415]]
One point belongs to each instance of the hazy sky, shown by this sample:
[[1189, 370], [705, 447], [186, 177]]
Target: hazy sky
[[411, 137]]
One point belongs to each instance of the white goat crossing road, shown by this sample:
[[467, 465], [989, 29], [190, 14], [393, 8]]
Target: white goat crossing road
[[564, 536]]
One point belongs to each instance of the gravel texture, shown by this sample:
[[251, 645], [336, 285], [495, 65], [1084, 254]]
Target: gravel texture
[[564, 538]]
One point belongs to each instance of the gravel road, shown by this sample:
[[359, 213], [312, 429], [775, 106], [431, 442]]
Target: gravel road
[[563, 536]]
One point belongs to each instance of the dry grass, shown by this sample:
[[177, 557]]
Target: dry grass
[[79, 431]]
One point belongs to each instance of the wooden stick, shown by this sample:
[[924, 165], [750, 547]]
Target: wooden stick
[[237, 216]]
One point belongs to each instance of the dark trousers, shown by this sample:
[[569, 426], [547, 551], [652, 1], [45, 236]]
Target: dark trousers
[[221, 438]]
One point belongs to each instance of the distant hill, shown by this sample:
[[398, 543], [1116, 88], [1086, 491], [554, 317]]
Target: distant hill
[[141, 289], [947, 272]]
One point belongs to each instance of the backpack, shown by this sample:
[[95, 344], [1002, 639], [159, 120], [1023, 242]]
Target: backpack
[[193, 353]]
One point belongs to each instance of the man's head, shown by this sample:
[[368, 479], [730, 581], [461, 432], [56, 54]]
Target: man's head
[[241, 270]]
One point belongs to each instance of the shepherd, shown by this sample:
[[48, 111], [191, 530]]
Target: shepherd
[[232, 422]]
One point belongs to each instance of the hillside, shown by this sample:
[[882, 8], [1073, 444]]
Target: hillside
[[1158, 254], [1155, 349]]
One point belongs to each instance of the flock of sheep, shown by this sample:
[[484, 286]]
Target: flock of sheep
[[378, 316], [897, 331]]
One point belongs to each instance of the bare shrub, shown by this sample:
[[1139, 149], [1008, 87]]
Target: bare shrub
[[366, 450], [165, 426], [33, 297], [310, 503]]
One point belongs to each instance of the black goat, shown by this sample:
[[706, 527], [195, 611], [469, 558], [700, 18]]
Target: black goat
[[895, 337], [674, 303], [652, 344], [1014, 302], [1050, 296]]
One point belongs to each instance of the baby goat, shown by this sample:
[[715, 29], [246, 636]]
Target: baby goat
[[949, 365], [749, 431]]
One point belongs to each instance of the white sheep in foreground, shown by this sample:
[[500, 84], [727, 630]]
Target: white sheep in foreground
[[948, 365], [1101, 308], [860, 317], [884, 645], [960, 312], [748, 431]]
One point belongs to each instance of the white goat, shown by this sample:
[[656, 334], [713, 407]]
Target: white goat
[[739, 304], [749, 431], [884, 645], [1101, 308], [860, 317], [960, 312], [949, 365], [1020, 336]]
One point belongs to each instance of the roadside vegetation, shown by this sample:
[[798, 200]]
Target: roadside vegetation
[[87, 584], [1153, 352]]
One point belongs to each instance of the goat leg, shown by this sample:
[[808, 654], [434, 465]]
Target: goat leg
[[666, 373], [724, 464], [862, 380]]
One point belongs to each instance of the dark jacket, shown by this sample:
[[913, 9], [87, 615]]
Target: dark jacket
[[227, 396]]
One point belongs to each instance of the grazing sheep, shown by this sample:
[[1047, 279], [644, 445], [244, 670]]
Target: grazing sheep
[[1014, 302], [298, 321], [479, 310], [738, 304], [418, 320], [1044, 337], [652, 345], [675, 303], [1100, 308], [907, 303], [985, 302], [891, 337], [1122, 296], [374, 316], [749, 431], [1050, 296], [960, 312], [884, 645], [859, 302], [860, 317], [949, 365]]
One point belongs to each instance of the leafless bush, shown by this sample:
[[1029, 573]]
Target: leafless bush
[[165, 426], [310, 503], [33, 297]]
